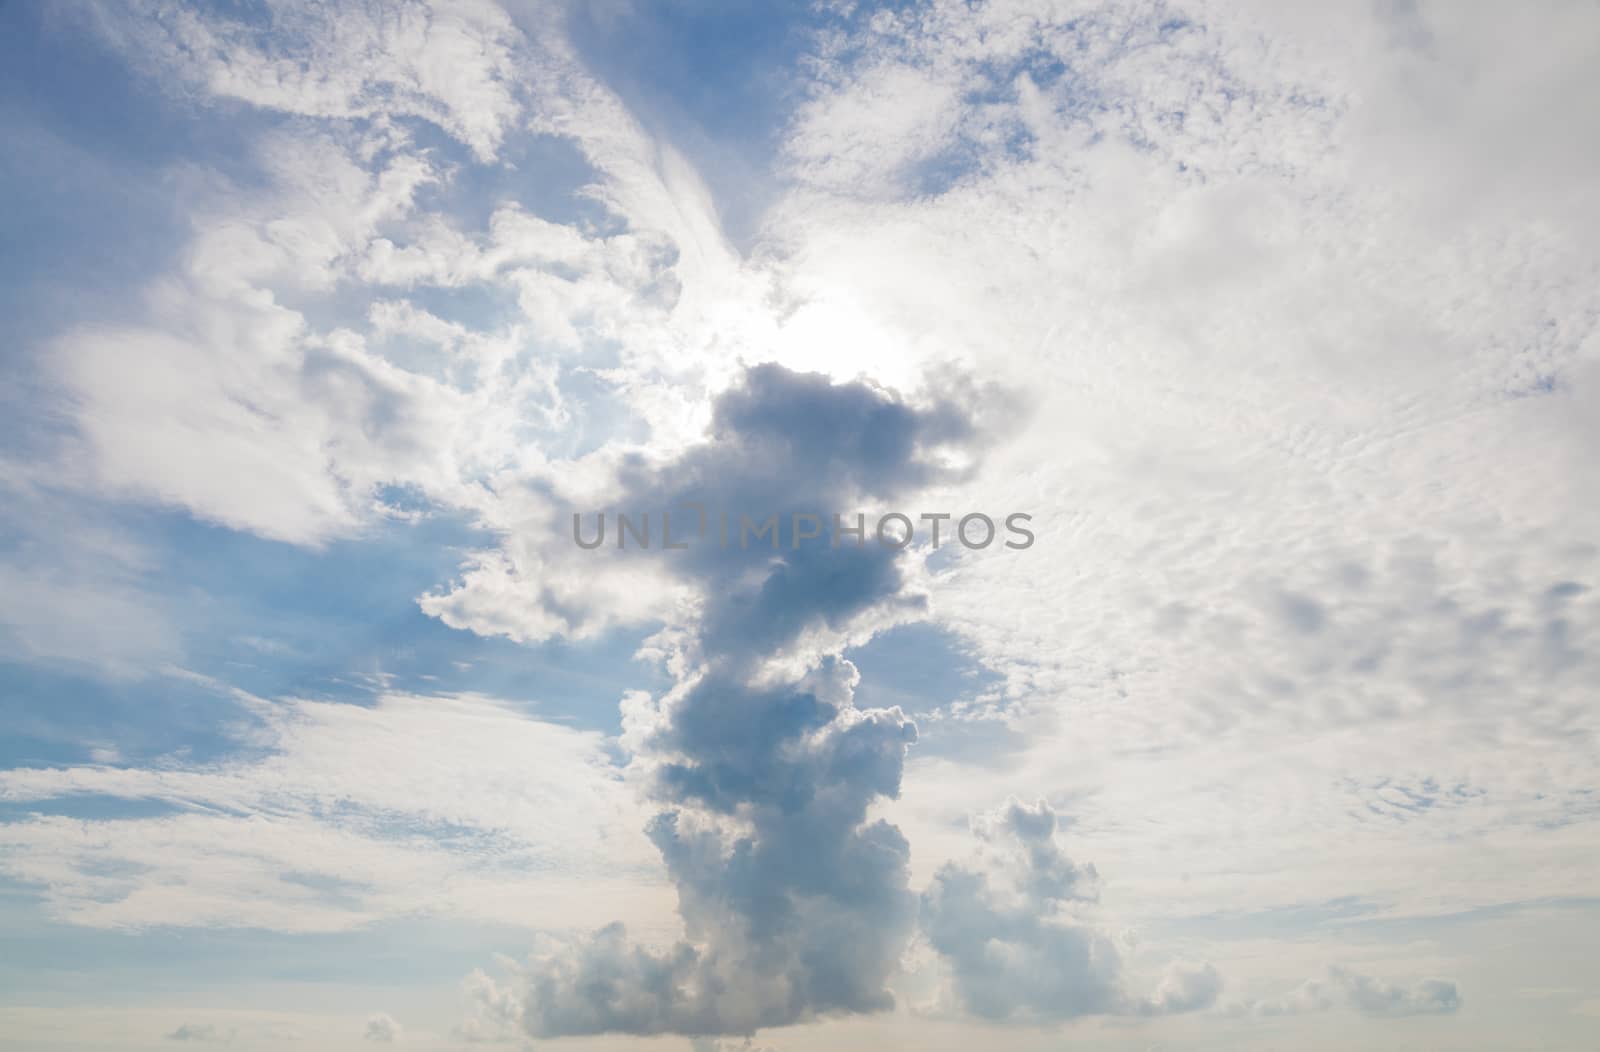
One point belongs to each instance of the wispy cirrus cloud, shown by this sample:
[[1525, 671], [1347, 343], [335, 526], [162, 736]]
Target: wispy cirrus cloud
[[337, 816]]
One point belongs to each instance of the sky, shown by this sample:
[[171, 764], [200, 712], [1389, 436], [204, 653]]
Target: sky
[[323, 322]]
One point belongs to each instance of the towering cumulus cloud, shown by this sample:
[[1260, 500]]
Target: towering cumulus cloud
[[794, 903]]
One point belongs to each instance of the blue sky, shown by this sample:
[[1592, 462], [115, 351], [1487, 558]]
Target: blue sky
[[318, 730]]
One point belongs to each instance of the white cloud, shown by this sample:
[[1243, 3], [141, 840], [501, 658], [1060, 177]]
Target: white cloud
[[383, 1028], [205, 1032], [864, 140], [338, 816], [1301, 454], [72, 591], [452, 64], [1016, 929], [1343, 988]]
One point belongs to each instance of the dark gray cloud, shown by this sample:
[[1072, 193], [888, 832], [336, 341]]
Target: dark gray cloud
[[794, 903], [783, 444]]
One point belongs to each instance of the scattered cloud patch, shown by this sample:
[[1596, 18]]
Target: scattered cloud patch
[[1342, 988], [1021, 945], [383, 1029]]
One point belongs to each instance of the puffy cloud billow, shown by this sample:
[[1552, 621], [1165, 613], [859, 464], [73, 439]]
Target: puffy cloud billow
[[382, 1028], [1019, 941], [1004, 929]]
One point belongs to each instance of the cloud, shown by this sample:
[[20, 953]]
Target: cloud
[[794, 900], [281, 389], [1185, 987], [335, 816], [73, 591], [715, 1044], [236, 411], [1018, 940], [1306, 509], [383, 1028], [866, 141], [455, 65], [204, 1032], [1346, 989]]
